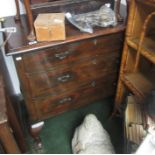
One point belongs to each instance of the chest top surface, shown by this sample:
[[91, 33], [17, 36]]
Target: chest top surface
[[19, 44]]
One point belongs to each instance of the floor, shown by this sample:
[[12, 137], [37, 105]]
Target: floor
[[58, 131]]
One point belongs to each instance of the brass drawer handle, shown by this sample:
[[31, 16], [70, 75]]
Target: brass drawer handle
[[64, 78], [66, 99], [62, 55]]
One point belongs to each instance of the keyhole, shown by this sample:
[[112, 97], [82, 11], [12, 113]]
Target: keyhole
[[94, 62], [93, 84], [95, 42]]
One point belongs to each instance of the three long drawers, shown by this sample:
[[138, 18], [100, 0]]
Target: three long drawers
[[68, 76]]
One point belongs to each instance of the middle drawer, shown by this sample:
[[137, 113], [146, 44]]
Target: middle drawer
[[63, 79]]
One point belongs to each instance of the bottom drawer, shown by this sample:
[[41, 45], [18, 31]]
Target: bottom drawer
[[86, 94]]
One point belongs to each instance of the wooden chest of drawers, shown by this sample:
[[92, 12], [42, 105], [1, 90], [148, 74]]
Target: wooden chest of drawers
[[62, 77], [58, 76]]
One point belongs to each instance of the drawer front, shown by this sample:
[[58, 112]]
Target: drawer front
[[84, 95], [63, 79], [70, 53]]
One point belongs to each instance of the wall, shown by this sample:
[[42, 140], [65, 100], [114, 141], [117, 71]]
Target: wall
[[8, 8]]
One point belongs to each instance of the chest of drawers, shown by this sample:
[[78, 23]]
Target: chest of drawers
[[56, 77], [66, 76]]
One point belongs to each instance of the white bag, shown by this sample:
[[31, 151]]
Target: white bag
[[91, 138]]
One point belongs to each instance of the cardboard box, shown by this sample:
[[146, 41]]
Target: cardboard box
[[50, 27]]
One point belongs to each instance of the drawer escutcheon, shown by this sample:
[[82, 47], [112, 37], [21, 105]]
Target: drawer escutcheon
[[64, 78], [62, 55], [66, 99]]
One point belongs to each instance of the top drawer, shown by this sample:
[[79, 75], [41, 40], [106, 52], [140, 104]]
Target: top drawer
[[70, 53]]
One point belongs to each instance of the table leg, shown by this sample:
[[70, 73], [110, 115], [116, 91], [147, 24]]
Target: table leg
[[31, 36]]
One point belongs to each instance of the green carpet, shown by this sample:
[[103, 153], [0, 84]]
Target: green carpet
[[58, 131]]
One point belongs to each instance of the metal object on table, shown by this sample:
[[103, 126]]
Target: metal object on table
[[104, 17]]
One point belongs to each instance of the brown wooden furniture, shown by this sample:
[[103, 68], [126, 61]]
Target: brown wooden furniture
[[58, 76], [6, 136], [137, 73]]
